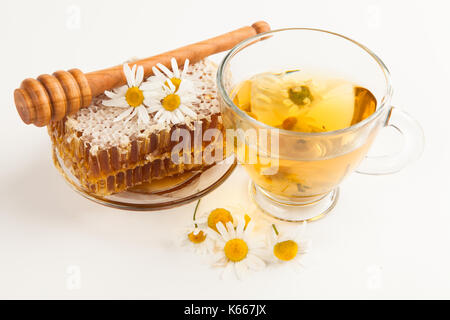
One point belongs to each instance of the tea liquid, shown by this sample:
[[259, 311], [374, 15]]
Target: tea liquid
[[298, 101], [295, 100]]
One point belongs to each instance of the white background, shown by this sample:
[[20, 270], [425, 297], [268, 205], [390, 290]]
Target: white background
[[387, 238]]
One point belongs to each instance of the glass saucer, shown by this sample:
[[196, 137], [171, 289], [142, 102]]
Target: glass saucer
[[160, 194]]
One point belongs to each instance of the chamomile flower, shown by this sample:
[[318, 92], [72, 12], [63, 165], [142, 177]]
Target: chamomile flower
[[219, 215], [227, 214], [175, 76], [131, 96], [195, 236], [162, 76], [238, 249], [172, 95], [196, 239], [288, 247]]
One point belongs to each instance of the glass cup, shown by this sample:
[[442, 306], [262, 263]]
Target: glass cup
[[295, 175]]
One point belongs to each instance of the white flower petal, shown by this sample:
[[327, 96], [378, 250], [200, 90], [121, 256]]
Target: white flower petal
[[164, 117], [223, 231], [255, 244], [149, 102], [143, 114], [220, 259], [121, 90], [151, 89], [124, 114], [187, 111], [164, 69], [241, 269], [139, 76], [156, 73], [265, 254], [111, 95], [154, 108], [159, 114], [250, 227], [119, 103], [153, 95], [173, 118], [169, 117], [171, 86], [167, 89], [184, 88], [240, 227], [175, 70], [133, 75], [128, 75], [179, 115], [231, 230], [185, 68], [213, 234], [131, 115], [305, 246], [254, 262]]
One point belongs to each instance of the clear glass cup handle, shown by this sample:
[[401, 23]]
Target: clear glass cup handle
[[413, 146]]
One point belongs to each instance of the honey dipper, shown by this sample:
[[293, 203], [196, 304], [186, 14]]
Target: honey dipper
[[52, 97]]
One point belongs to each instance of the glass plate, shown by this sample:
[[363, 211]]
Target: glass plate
[[160, 194]]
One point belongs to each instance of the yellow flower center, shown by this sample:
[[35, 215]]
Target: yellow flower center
[[219, 215], [285, 250], [197, 238], [236, 250], [171, 102], [175, 81], [134, 97]]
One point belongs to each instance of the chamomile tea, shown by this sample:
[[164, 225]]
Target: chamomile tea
[[298, 101]]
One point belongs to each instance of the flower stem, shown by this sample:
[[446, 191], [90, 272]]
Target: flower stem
[[195, 212], [275, 229]]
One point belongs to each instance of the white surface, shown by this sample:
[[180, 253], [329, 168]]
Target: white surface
[[387, 238]]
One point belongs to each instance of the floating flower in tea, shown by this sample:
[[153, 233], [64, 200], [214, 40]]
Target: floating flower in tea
[[298, 101]]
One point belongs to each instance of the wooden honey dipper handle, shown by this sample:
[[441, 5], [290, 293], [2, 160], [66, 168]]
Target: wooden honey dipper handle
[[52, 97]]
